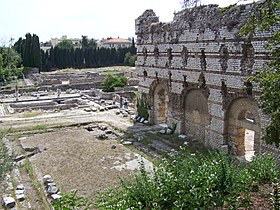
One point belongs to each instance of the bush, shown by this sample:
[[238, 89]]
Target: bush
[[142, 107], [71, 201], [187, 181], [113, 81], [264, 169]]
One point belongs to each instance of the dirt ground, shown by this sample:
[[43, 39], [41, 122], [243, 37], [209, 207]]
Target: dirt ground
[[76, 159], [73, 156]]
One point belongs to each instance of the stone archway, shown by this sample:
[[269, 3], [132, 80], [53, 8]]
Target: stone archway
[[243, 129], [160, 103], [196, 114]]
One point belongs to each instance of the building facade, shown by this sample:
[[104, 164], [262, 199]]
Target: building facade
[[115, 43], [193, 72]]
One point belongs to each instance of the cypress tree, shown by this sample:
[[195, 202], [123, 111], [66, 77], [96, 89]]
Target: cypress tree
[[27, 60], [36, 53]]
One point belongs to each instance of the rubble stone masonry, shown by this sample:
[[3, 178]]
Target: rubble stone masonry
[[193, 72]]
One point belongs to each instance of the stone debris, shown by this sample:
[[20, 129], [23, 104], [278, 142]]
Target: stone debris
[[50, 185], [52, 189], [87, 109], [125, 114], [8, 201], [102, 136], [135, 164], [162, 131], [102, 127], [47, 179], [140, 119], [20, 187], [166, 130], [127, 142], [93, 109], [20, 195], [101, 109], [182, 136], [113, 146], [55, 196], [108, 131]]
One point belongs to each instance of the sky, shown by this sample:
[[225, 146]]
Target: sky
[[93, 18]]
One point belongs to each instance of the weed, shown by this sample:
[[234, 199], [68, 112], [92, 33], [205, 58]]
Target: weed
[[185, 181], [31, 114], [71, 201], [5, 160], [35, 183]]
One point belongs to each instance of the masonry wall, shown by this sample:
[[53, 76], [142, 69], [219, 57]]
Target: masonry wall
[[200, 58]]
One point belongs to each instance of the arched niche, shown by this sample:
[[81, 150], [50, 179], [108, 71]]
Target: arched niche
[[243, 127]]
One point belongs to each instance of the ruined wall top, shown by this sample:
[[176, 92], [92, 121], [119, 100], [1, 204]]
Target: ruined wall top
[[143, 22], [202, 18]]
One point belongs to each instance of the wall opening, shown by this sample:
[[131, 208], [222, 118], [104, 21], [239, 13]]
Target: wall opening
[[245, 143], [244, 128], [249, 139]]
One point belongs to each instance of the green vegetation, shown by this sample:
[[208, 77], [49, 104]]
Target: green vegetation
[[31, 114], [142, 107], [68, 55], [29, 49], [9, 62], [129, 59], [192, 181], [113, 81], [36, 184], [5, 159], [71, 201], [65, 44], [267, 18]]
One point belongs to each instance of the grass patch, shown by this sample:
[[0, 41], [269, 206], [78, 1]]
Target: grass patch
[[110, 68], [6, 162], [35, 183], [31, 114]]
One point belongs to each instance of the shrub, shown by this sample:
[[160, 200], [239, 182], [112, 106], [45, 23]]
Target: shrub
[[113, 81], [185, 181], [142, 107], [264, 169], [71, 201]]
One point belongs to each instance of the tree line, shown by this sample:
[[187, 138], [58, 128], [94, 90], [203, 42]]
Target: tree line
[[9, 64], [66, 55]]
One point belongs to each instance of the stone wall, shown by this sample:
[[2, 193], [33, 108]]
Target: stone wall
[[194, 73]]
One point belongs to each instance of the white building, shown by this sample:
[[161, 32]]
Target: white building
[[114, 43]]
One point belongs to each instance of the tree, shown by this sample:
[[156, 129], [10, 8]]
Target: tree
[[129, 59], [9, 61], [29, 49], [92, 44], [85, 42], [27, 57], [65, 44], [36, 52], [267, 18], [133, 49]]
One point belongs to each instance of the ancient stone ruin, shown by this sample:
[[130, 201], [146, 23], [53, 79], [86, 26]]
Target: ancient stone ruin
[[193, 72]]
